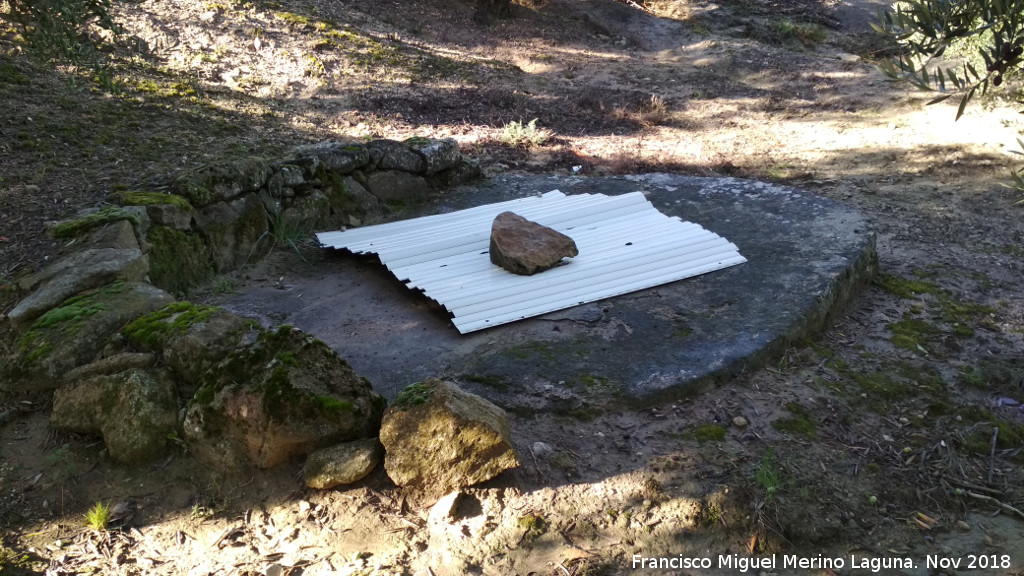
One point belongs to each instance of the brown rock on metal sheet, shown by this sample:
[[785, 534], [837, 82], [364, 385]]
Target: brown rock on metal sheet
[[524, 247]]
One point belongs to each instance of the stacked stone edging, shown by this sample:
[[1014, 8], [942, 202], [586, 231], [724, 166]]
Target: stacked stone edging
[[124, 360]]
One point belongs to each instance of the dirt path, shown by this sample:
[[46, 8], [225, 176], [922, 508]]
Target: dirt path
[[871, 442]]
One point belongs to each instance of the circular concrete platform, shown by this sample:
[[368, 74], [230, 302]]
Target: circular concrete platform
[[807, 257]]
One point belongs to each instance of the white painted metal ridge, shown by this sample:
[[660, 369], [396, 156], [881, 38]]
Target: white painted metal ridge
[[625, 245]]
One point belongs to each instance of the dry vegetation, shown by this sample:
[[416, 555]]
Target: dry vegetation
[[878, 439]]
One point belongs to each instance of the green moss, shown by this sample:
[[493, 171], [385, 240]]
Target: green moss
[[897, 381], [593, 381], [911, 334], [278, 394], [204, 395], [137, 198], [499, 383], [799, 423], [535, 526], [414, 395], [177, 261], [65, 320], [101, 217], [332, 404], [416, 142], [1010, 436], [971, 377], [532, 350], [958, 315], [710, 432], [995, 376], [154, 330], [9, 74], [287, 357], [903, 287]]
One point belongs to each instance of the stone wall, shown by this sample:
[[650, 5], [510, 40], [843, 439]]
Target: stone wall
[[121, 358], [220, 217]]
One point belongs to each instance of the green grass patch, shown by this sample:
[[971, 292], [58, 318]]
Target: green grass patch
[[806, 33], [767, 474], [904, 287], [710, 432], [98, 516], [912, 334]]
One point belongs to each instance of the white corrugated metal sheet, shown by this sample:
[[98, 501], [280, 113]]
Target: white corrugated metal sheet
[[625, 245]]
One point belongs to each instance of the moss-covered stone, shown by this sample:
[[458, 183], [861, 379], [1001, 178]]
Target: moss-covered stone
[[87, 222], [153, 331], [285, 394], [135, 412], [178, 261], [140, 198], [72, 334], [414, 395], [235, 232], [222, 181]]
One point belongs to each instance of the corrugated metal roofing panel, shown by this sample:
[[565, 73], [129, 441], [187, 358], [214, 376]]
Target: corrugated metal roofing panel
[[625, 245]]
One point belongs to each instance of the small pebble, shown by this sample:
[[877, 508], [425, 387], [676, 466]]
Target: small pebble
[[739, 422], [963, 525]]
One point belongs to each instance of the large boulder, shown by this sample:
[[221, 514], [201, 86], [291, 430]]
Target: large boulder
[[524, 247], [135, 412], [222, 181], [76, 332], [306, 213], [343, 463], [333, 156], [286, 394], [352, 204], [178, 259], [438, 155], [192, 338], [77, 272], [392, 185], [438, 438], [393, 155], [233, 231]]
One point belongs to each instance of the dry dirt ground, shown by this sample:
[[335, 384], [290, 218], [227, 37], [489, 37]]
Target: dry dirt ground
[[895, 434]]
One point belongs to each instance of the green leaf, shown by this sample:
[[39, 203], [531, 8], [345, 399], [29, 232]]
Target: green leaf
[[963, 103], [938, 99]]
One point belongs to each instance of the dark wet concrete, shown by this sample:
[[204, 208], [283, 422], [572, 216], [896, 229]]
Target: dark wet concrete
[[807, 257]]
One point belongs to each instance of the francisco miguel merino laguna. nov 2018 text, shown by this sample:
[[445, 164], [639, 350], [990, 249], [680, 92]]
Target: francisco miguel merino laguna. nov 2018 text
[[745, 563]]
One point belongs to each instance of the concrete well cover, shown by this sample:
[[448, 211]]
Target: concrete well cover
[[625, 245], [807, 258]]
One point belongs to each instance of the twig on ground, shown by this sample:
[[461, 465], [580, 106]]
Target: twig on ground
[[992, 453], [1002, 505], [972, 486]]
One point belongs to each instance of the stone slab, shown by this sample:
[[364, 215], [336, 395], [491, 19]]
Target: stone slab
[[807, 258]]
